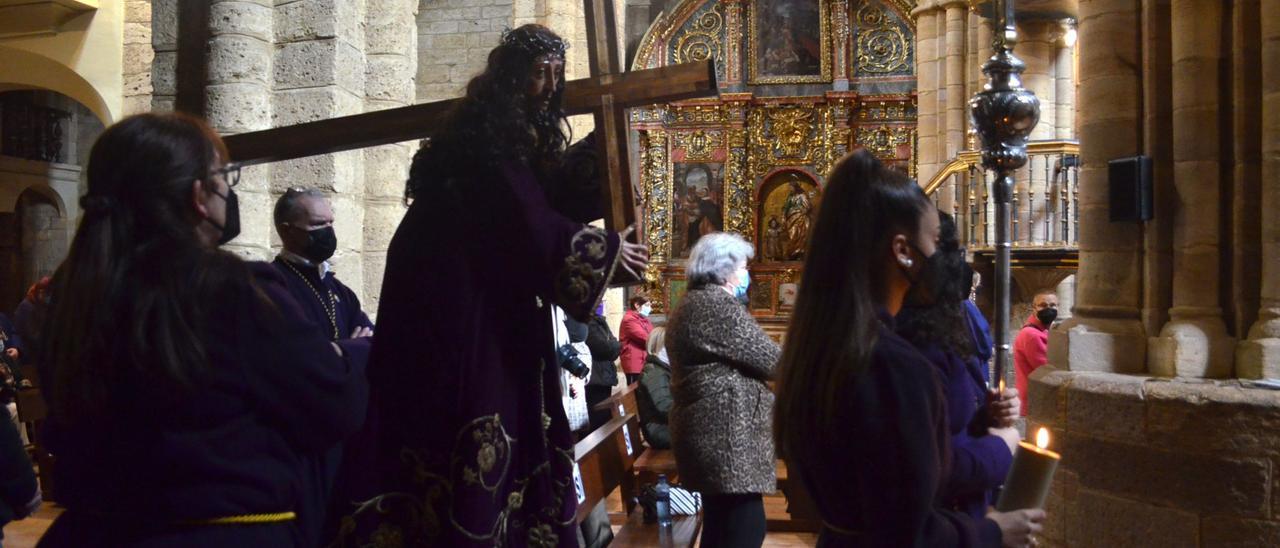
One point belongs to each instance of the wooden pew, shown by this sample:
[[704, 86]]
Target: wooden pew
[[606, 462], [622, 402]]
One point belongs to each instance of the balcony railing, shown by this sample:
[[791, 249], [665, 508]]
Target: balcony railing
[[1046, 212]]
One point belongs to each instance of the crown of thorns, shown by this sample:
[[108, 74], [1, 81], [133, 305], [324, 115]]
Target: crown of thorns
[[533, 44]]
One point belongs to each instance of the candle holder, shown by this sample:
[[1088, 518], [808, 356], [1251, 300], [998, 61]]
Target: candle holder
[[1031, 475]]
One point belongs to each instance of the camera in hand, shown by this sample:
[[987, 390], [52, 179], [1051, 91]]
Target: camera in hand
[[569, 361]]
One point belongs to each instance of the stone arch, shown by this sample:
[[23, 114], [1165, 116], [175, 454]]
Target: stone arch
[[26, 70], [34, 242]]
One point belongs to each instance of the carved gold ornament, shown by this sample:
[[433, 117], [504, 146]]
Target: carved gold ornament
[[701, 39], [883, 141], [791, 128], [882, 46], [699, 144]]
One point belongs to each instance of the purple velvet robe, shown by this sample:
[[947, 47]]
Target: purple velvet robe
[[471, 444]]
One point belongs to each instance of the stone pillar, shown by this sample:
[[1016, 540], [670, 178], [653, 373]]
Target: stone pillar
[[957, 112], [1105, 334], [138, 56], [1195, 342], [320, 74], [391, 58], [1037, 48], [164, 44], [238, 99], [1260, 355], [926, 89], [1064, 93], [1246, 194], [1157, 90]]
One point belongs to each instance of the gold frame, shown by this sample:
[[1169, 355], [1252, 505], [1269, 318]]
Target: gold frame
[[753, 60]]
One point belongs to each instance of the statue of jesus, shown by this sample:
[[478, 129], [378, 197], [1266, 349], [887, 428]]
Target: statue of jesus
[[469, 442]]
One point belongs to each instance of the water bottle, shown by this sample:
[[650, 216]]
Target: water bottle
[[662, 496]]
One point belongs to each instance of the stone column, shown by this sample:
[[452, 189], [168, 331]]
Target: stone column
[[320, 74], [926, 89], [164, 43], [1037, 48], [1064, 93], [957, 112], [391, 58], [1260, 355], [1157, 90], [1195, 342], [238, 99], [138, 56], [1246, 194], [1105, 334]]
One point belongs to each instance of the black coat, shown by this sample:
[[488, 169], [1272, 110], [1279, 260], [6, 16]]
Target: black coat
[[653, 401], [605, 349]]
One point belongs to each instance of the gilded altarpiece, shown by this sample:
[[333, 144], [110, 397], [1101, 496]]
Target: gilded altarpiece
[[754, 160]]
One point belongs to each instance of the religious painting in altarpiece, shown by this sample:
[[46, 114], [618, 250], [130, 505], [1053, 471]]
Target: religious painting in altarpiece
[[802, 83]]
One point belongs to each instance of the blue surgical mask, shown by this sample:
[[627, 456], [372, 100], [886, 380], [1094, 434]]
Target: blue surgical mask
[[744, 282], [645, 310]]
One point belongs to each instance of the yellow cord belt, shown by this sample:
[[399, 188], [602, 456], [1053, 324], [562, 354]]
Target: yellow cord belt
[[247, 519]]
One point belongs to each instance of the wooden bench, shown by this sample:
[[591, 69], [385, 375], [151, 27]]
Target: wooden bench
[[620, 403], [606, 461]]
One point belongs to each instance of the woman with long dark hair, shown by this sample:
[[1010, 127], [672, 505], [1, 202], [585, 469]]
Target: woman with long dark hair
[[860, 417], [184, 391], [935, 318]]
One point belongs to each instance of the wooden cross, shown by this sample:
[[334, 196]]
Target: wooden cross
[[607, 94]]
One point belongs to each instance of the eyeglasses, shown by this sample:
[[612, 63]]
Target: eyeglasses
[[230, 173]]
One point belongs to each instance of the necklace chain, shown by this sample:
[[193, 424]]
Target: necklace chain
[[331, 308]]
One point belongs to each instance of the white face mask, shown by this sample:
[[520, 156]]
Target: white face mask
[[645, 310]]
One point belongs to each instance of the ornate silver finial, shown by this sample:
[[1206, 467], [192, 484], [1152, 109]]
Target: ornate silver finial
[[1004, 113]]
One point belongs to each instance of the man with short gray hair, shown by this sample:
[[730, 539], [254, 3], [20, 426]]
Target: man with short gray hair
[[304, 220]]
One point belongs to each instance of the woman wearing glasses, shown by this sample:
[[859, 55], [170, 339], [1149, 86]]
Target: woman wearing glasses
[[184, 388]]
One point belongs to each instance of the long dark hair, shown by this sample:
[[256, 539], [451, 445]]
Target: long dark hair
[[834, 327], [492, 123], [130, 300], [936, 306]]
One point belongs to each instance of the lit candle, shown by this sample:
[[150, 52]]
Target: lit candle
[[1031, 475]]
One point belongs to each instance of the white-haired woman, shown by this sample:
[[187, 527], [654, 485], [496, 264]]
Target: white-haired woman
[[722, 415]]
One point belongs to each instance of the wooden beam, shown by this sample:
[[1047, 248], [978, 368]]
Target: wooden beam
[[382, 127], [192, 65]]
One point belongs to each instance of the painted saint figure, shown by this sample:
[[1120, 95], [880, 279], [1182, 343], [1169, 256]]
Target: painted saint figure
[[798, 210], [773, 240]]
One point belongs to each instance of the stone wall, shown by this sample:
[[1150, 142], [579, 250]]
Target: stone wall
[[284, 62], [1159, 462]]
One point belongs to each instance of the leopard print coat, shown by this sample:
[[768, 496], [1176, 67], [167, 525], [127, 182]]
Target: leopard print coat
[[722, 415]]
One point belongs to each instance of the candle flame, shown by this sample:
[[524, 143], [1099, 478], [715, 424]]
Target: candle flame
[[1001, 386], [1042, 438]]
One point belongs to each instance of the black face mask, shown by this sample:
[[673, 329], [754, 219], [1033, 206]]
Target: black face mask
[[922, 280], [1047, 315], [321, 243], [231, 227]]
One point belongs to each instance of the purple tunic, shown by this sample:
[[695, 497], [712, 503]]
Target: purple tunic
[[472, 447]]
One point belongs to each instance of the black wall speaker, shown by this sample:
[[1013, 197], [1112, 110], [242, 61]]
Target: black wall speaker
[[1130, 186]]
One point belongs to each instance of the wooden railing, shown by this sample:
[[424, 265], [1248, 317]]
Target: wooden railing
[[1046, 212]]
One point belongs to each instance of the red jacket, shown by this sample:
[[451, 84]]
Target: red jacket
[[1030, 351], [634, 335]]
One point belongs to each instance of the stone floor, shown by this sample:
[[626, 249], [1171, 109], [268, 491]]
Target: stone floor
[[25, 533]]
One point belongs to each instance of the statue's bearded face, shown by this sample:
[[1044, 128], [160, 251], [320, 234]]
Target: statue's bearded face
[[545, 79]]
